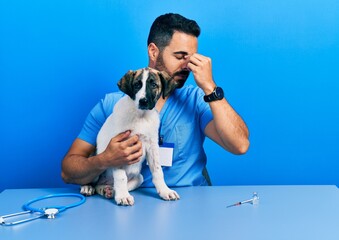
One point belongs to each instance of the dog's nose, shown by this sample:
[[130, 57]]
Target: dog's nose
[[143, 102]]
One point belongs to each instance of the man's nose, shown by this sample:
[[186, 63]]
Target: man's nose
[[185, 63]]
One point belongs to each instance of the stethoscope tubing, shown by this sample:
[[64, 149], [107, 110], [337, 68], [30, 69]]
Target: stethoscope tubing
[[27, 206]]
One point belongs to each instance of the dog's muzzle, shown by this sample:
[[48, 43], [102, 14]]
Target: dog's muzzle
[[144, 104]]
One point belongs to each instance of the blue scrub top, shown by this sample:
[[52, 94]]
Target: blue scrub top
[[183, 119]]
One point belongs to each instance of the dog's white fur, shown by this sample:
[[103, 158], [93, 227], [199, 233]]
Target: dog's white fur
[[127, 115]]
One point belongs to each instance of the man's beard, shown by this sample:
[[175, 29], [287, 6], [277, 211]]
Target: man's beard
[[180, 77]]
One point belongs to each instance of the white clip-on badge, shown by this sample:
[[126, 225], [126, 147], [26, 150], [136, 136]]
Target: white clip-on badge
[[166, 154]]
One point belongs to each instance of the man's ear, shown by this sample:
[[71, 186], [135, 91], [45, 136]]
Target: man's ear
[[168, 84], [153, 53], [126, 83]]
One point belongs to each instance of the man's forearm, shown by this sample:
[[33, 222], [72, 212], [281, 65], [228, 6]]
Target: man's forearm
[[230, 127], [77, 169]]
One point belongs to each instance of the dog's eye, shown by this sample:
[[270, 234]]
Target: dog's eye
[[137, 85], [153, 84]]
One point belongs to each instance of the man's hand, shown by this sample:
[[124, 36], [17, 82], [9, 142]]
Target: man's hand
[[122, 150], [79, 167], [201, 68]]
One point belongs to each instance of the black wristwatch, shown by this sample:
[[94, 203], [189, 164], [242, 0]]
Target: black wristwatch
[[217, 94]]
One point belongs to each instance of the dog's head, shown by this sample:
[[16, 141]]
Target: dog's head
[[145, 86]]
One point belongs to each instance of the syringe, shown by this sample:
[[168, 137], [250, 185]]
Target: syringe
[[254, 200]]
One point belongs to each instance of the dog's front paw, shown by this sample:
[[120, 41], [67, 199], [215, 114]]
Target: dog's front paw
[[124, 200], [168, 194], [87, 190]]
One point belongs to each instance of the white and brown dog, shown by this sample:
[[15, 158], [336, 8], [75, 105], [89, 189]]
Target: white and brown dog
[[135, 112]]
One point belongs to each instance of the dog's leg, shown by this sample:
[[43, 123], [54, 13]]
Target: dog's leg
[[157, 174], [135, 182], [107, 190], [122, 196]]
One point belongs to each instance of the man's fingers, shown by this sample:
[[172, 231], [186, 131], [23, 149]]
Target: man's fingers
[[137, 147], [135, 154], [131, 141], [195, 60], [122, 136], [133, 149]]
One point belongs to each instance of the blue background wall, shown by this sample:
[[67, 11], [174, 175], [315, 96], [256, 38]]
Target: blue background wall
[[276, 60]]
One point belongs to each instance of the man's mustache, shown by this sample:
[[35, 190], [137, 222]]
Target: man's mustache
[[182, 73]]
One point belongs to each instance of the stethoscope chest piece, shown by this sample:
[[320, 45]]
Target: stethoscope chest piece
[[51, 212]]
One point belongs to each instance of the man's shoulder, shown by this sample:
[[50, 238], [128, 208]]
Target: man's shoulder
[[109, 101], [113, 96]]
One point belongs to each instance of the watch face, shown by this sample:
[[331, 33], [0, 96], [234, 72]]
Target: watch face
[[219, 92]]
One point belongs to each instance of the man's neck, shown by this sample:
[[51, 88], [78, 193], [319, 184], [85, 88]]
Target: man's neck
[[160, 104]]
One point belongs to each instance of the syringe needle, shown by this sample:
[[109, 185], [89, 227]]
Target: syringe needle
[[239, 203], [235, 204]]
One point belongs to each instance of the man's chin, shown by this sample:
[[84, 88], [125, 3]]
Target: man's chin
[[180, 81]]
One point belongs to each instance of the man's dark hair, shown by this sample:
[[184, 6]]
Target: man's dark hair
[[164, 26]]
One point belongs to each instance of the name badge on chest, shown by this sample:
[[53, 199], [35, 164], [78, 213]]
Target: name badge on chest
[[166, 154]]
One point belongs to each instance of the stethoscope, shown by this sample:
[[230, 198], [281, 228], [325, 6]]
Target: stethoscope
[[49, 211]]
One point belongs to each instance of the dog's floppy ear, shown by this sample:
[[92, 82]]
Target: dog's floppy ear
[[168, 83], [126, 83]]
